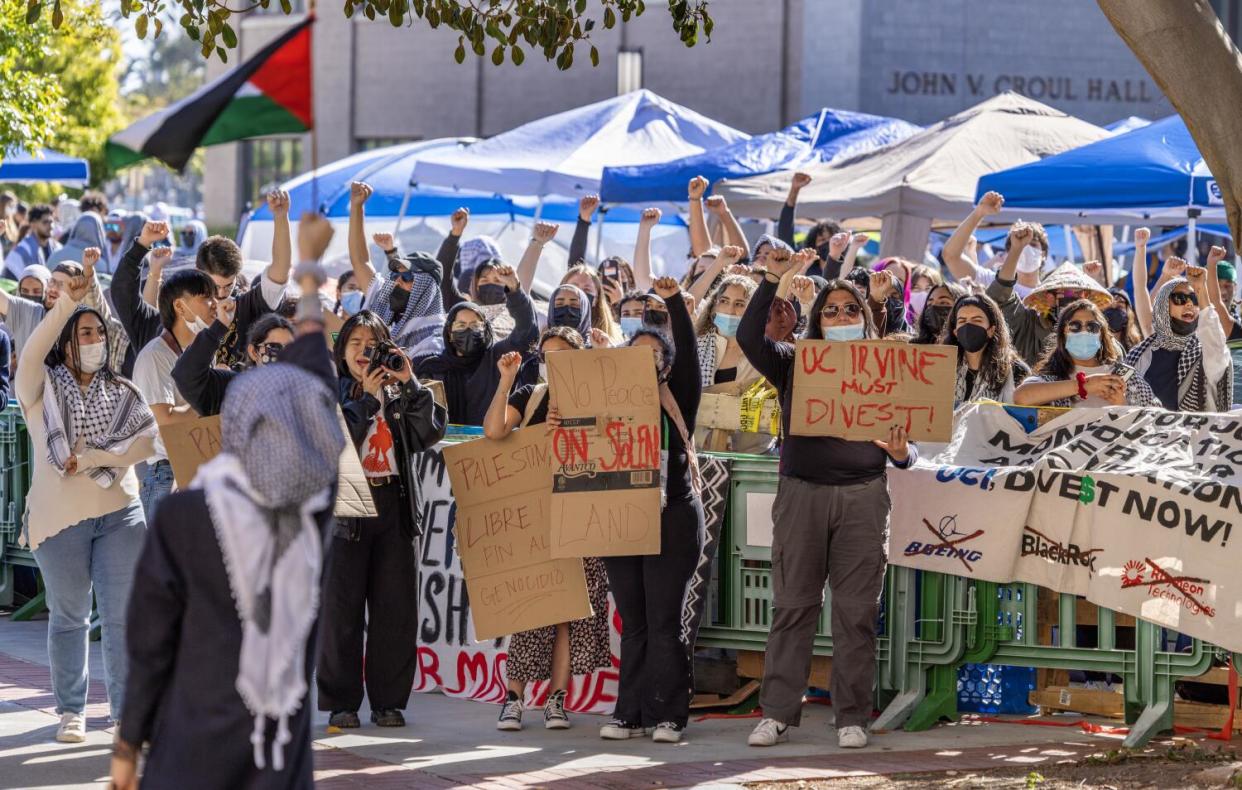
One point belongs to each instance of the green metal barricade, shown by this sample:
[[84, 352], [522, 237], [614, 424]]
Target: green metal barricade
[[15, 470]]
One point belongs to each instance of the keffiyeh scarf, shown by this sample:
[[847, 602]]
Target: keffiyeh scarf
[[1194, 391], [424, 312], [109, 416]]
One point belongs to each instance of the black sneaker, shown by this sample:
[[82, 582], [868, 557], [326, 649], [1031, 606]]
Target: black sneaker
[[344, 720], [554, 717], [511, 714], [619, 730], [388, 717]]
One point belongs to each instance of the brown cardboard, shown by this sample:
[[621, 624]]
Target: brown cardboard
[[189, 445], [437, 390], [606, 454], [859, 389], [503, 491]]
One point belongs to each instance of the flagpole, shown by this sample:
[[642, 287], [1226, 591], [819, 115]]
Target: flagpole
[[314, 131]]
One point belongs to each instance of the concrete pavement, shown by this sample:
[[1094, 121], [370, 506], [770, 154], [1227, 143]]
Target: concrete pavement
[[454, 743]]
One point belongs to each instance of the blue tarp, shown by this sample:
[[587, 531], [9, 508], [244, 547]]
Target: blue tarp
[[566, 153], [1149, 174], [825, 136], [20, 167]]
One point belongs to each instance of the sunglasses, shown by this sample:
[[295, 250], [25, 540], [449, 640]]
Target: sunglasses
[[1179, 298], [833, 310], [405, 276], [1091, 326]]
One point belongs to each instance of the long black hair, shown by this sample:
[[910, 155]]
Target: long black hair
[[68, 339], [666, 346], [813, 330], [1057, 362], [361, 319], [998, 355]]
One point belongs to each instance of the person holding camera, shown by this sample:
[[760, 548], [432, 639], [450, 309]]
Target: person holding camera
[[372, 577]]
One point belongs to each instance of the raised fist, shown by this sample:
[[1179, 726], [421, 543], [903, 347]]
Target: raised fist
[[698, 185], [666, 287], [716, 204], [991, 203], [587, 206], [152, 232], [459, 219], [545, 231], [278, 202], [385, 241], [650, 218], [1142, 235], [800, 180], [359, 193]]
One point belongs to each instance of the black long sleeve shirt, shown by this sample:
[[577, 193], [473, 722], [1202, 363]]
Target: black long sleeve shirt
[[578, 245], [140, 320], [447, 256], [825, 460], [198, 380], [686, 384]]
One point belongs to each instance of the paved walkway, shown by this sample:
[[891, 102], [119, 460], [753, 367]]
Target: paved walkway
[[454, 743]]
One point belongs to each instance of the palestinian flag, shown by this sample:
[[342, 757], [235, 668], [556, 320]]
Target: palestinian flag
[[268, 94]]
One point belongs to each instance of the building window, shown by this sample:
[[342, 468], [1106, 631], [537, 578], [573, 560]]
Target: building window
[[267, 163], [629, 70], [274, 9], [371, 143]]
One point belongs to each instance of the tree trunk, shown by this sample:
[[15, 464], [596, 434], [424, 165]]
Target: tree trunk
[[1186, 51]]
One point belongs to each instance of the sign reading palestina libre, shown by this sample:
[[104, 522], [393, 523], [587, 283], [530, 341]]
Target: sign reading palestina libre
[[503, 491], [606, 454], [859, 390], [1132, 508]]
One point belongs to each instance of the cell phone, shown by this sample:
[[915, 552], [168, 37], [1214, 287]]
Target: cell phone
[[1123, 370], [161, 243]]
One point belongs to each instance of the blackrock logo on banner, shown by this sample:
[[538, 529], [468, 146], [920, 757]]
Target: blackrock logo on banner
[[1037, 544], [947, 541]]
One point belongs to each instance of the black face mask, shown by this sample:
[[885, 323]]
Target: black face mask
[[1117, 319], [655, 318], [1181, 327], [934, 316], [398, 300], [491, 293], [972, 337], [468, 342], [567, 315]]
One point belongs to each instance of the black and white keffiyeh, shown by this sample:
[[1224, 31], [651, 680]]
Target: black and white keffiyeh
[[281, 444], [110, 415], [1194, 390]]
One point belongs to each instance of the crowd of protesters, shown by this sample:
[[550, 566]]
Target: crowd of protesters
[[248, 589]]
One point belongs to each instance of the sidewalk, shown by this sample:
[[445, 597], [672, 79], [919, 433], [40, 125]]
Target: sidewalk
[[454, 743]]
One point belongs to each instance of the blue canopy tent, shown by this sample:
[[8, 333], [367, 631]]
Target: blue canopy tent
[[1151, 175], [826, 136], [566, 153], [22, 167]]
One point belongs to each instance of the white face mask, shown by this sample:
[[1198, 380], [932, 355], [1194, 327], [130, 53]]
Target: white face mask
[[196, 326], [1031, 260], [918, 300], [91, 358]]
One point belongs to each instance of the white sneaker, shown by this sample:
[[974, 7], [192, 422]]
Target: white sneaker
[[851, 737], [72, 728], [618, 730], [667, 732], [511, 714], [768, 732]]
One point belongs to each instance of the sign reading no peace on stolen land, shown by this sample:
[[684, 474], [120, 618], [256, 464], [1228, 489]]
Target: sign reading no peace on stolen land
[[858, 390], [606, 453], [503, 492]]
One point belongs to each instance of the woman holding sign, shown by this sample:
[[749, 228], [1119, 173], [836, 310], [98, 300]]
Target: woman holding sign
[[373, 568], [656, 683], [1084, 368], [89, 427], [555, 652], [830, 521]]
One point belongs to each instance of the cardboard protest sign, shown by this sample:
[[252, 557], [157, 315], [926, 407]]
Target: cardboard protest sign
[[503, 492], [606, 454], [1132, 508], [190, 445], [858, 390]]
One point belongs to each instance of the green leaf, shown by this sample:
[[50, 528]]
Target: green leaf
[[370, 12], [32, 11], [517, 55], [708, 24], [477, 46], [140, 27], [610, 18], [396, 14], [192, 32], [126, 7], [433, 17], [580, 6], [349, 9], [224, 55], [58, 16], [498, 55], [159, 27], [594, 56], [459, 54], [286, 6], [229, 36]]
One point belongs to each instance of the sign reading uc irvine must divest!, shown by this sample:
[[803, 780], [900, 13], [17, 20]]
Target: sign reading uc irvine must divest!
[[503, 492], [860, 389], [606, 454]]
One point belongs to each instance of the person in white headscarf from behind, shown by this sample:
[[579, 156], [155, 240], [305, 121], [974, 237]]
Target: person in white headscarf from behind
[[227, 592]]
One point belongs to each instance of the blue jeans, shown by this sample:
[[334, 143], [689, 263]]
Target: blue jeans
[[96, 555], [156, 484]]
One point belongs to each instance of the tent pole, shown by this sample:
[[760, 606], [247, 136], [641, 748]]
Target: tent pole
[[1069, 241], [1192, 243], [599, 234], [405, 204]]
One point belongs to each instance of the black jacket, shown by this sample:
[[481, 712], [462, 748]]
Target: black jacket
[[197, 379], [140, 320]]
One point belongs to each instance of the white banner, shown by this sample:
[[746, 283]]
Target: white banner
[[1131, 508]]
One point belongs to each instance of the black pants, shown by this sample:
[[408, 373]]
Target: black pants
[[656, 680], [373, 579]]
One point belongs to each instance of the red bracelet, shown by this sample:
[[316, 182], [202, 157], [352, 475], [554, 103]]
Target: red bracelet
[[1082, 385]]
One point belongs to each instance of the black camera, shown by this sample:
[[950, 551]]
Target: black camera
[[386, 356]]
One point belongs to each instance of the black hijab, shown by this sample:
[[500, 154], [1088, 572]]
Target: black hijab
[[469, 381]]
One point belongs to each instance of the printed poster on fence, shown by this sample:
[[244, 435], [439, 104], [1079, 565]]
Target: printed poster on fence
[[1132, 508], [606, 454], [858, 390], [503, 492]]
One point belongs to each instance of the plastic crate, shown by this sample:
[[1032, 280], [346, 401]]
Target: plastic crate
[[15, 471], [756, 587], [993, 688]]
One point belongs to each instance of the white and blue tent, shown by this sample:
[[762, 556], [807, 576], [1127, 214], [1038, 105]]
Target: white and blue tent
[[826, 136], [22, 167]]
